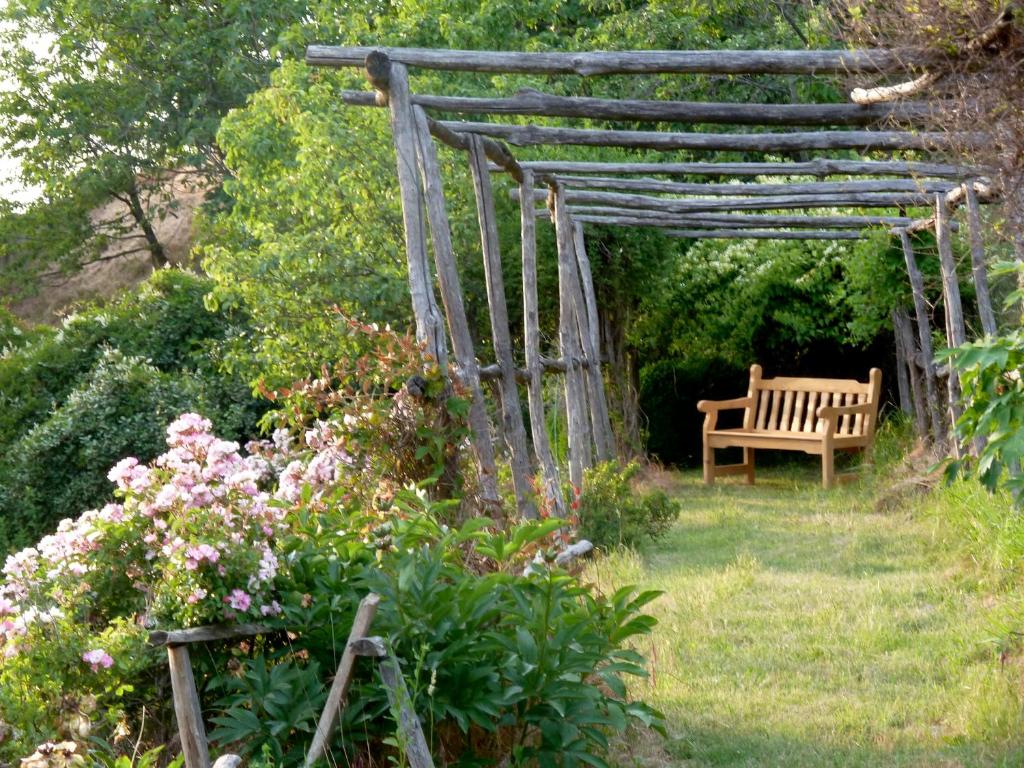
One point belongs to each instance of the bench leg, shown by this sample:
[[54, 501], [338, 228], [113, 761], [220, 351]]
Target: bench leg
[[748, 461], [709, 464], [828, 475]]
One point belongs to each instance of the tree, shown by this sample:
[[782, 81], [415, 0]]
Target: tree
[[114, 99]]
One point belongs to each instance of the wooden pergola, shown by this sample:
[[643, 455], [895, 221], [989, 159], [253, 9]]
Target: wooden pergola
[[644, 194]]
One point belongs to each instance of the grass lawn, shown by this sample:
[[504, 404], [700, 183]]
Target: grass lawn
[[800, 627]]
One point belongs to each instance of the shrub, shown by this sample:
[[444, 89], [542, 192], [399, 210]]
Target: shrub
[[502, 657], [611, 514]]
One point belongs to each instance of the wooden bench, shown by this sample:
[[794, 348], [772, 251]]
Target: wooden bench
[[816, 416]]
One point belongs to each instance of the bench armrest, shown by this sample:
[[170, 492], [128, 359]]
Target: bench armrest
[[712, 406]]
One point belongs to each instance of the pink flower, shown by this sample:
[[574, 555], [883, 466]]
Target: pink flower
[[97, 658], [270, 610], [196, 596], [121, 472], [238, 600]]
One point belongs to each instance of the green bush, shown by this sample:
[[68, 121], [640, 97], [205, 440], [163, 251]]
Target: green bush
[[611, 514], [104, 385]]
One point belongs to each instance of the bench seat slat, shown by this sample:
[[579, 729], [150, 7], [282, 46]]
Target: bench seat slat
[[783, 384]]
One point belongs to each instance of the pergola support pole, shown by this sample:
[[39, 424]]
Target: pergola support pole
[[956, 334], [394, 80], [604, 440], [466, 366], [511, 411], [580, 456], [978, 268], [904, 329], [924, 333], [534, 366]]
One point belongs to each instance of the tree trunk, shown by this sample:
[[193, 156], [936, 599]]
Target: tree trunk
[[156, 248]]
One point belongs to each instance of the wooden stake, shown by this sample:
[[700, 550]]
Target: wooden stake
[[905, 334], [342, 679], [186, 708], [956, 334], [511, 410], [604, 440], [987, 314], [580, 456], [531, 336], [902, 374], [925, 339], [393, 79], [466, 366]]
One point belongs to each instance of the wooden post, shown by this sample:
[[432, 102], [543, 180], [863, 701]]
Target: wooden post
[[905, 339], [569, 340], [187, 709], [531, 336], [902, 376], [987, 314], [604, 440], [511, 410], [392, 79], [956, 333], [466, 367], [925, 338], [339, 687]]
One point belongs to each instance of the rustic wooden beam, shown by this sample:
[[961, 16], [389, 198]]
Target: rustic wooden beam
[[466, 366], [639, 217], [392, 79], [760, 234], [207, 634], [819, 167], [797, 141], [511, 411], [186, 708], [904, 330], [534, 361], [589, 320], [342, 679], [536, 103], [902, 356], [978, 267], [956, 333], [580, 456], [751, 189], [924, 333], [760, 203], [828, 62]]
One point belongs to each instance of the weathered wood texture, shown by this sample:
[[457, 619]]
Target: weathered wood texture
[[589, 322], [736, 189], [534, 365], [902, 374], [411, 737], [978, 268], [186, 708], [816, 416], [797, 141], [762, 203], [905, 338], [956, 333], [511, 411], [819, 167], [538, 103], [209, 633], [636, 216], [761, 234], [466, 367], [834, 62], [580, 456], [342, 679], [393, 79], [924, 332]]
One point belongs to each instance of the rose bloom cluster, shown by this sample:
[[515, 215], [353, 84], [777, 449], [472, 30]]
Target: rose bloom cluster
[[190, 540]]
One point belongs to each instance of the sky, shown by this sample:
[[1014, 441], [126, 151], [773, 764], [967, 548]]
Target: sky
[[11, 187]]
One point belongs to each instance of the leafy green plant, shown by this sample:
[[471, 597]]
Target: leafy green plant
[[612, 514]]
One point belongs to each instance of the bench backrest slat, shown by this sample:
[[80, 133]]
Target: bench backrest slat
[[790, 404]]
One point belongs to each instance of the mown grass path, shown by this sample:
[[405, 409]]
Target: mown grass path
[[801, 628]]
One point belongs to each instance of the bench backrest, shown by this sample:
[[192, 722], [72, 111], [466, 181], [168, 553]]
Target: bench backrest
[[790, 404]]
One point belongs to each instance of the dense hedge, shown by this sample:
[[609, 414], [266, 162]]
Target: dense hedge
[[104, 385]]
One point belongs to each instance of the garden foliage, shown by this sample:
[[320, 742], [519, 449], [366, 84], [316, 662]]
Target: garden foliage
[[611, 514]]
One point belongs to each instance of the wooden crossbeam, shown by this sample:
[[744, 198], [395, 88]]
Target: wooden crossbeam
[[863, 141], [819, 167], [762, 234], [760, 203], [536, 103], [833, 62], [637, 217], [735, 189]]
